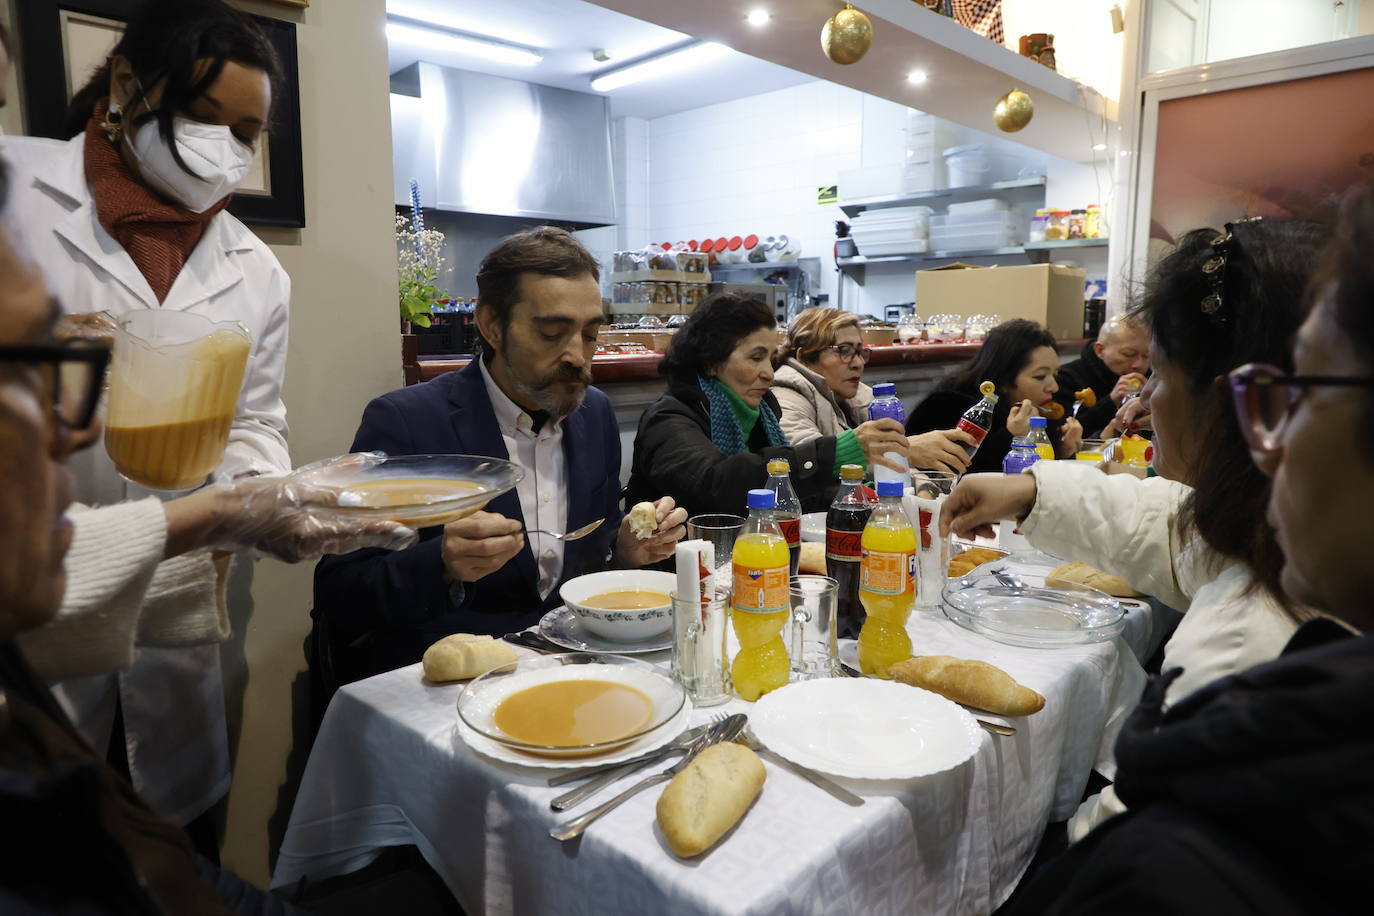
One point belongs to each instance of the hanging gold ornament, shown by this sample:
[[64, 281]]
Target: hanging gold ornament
[[1013, 111], [847, 36]]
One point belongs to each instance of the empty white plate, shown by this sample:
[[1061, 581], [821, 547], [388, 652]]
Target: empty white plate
[[865, 728]]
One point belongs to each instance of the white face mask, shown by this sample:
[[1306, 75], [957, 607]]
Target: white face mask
[[211, 151]]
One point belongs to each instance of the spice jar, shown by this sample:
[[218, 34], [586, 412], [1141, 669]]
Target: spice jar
[[1076, 224], [1092, 222], [1057, 229]]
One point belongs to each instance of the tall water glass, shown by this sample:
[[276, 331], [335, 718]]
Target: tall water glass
[[700, 664], [929, 490], [721, 531], [814, 651]]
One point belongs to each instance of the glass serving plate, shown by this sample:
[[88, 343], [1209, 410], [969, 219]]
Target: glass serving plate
[[1025, 609], [482, 479], [478, 702]]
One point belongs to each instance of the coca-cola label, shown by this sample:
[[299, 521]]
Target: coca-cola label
[[845, 546], [791, 530], [977, 432]]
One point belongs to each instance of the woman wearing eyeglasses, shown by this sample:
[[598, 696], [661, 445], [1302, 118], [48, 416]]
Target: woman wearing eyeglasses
[[1253, 795], [128, 212], [706, 442], [821, 391], [1195, 537], [1020, 359]]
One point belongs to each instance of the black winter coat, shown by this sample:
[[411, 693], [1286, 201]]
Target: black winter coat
[[1088, 371], [1253, 795], [674, 456]]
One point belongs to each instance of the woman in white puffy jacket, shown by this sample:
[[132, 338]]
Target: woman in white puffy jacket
[[1195, 537]]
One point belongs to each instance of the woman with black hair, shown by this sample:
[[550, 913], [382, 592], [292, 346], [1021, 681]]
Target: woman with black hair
[[1195, 537], [1020, 359], [129, 214], [706, 442]]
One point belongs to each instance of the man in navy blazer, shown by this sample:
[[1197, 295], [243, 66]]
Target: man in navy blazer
[[528, 399]]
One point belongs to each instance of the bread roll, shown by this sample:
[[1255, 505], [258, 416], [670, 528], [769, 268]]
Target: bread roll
[[969, 682], [705, 800], [463, 655], [965, 562], [812, 558], [1094, 578], [643, 520]]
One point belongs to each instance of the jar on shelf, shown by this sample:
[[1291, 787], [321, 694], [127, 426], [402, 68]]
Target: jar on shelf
[[1076, 227], [1092, 222], [1057, 229], [1039, 222]]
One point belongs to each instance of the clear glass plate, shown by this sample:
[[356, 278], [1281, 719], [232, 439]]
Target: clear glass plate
[[1025, 609], [483, 478]]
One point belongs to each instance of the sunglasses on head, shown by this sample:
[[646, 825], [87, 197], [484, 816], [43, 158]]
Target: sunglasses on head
[[1266, 398]]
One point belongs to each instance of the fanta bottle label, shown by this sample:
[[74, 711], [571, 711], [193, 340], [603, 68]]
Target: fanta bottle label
[[760, 591], [886, 573]]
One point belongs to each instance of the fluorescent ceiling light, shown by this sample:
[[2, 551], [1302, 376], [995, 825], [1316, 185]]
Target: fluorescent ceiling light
[[916, 77], [438, 38], [674, 61], [758, 17], [1099, 147]]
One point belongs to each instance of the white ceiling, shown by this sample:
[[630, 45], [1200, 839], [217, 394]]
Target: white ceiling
[[567, 31]]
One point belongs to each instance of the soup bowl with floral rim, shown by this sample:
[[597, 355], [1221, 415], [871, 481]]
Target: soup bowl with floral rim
[[630, 625]]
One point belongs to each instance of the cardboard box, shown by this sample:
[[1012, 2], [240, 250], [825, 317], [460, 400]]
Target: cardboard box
[[1047, 293], [878, 337]]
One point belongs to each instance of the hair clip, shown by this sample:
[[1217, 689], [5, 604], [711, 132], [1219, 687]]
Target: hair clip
[[1214, 268]]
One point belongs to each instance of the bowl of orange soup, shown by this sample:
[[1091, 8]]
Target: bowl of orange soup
[[624, 605], [416, 490], [570, 705]]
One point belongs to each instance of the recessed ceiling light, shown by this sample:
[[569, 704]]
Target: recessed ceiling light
[[1099, 147], [411, 31], [758, 17], [917, 77], [672, 61]]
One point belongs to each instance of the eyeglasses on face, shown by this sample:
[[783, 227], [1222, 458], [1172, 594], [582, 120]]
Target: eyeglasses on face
[[73, 375], [847, 352], [1266, 398]]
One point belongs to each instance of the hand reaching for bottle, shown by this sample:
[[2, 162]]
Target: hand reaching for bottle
[[939, 450], [877, 438]]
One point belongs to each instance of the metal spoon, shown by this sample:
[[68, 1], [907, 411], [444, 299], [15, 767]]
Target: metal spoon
[[577, 535], [609, 775]]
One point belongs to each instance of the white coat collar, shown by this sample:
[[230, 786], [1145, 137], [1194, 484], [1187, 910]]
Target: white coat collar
[[206, 273]]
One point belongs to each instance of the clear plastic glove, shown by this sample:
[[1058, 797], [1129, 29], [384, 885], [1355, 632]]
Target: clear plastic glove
[[290, 518]]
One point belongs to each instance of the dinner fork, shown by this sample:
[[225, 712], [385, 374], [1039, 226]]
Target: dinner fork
[[577, 535], [1004, 731], [604, 776]]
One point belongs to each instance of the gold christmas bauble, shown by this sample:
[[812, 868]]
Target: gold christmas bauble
[[847, 36], [1013, 111]]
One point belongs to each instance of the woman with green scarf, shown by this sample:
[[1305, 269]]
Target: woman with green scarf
[[706, 442]]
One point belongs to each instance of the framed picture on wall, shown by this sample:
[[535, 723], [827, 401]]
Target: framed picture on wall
[[64, 41]]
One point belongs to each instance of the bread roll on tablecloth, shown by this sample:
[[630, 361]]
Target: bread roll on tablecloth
[[463, 655], [812, 558], [705, 800], [1094, 578], [972, 683]]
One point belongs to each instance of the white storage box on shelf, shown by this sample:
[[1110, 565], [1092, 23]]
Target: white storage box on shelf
[[977, 209], [894, 230], [897, 246], [975, 164], [873, 181], [997, 230]]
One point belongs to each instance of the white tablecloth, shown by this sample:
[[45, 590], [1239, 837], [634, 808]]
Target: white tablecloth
[[388, 769]]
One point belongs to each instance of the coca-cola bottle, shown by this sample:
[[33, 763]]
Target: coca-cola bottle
[[788, 512], [844, 528], [977, 420]]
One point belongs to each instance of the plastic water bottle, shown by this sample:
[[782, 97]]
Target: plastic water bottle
[[1040, 438], [1023, 454], [886, 405]]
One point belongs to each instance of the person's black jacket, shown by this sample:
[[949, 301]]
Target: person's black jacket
[[1088, 371], [380, 609], [1253, 795], [674, 456]]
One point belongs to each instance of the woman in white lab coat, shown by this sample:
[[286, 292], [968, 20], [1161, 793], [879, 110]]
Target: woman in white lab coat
[[129, 214]]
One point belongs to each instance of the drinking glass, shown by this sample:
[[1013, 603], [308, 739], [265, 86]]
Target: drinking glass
[[1135, 451], [1092, 450], [721, 531], [700, 664], [814, 651], [930, 489]]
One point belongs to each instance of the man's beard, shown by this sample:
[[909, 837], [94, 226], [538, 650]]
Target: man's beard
[[549, 392]]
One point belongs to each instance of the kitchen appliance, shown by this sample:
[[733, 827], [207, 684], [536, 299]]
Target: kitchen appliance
[[772, 294]]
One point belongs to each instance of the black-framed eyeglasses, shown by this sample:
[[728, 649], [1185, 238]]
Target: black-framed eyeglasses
[[847, 351], [73, 373], [1266, 398]]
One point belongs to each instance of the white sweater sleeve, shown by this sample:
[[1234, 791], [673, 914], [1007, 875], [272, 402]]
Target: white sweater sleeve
[[120, 594], [798, 420], [1119, 523]]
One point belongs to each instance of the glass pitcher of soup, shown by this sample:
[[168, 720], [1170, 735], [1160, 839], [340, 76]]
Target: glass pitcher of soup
[[174, 385]]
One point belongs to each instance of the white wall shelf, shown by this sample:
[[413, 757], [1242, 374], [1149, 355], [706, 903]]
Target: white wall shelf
[[1014, 189]]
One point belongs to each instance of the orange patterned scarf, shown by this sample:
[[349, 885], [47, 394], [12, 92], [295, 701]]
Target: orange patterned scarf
[[158, 235]]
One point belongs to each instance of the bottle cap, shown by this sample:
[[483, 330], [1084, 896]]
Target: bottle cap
[[851, 472], [763, 499], [779, 466], [1037, 422], [884, 389], [987, 389], [890, 487]]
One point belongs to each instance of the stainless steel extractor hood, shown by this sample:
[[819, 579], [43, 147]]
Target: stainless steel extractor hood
[[486, 144]]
